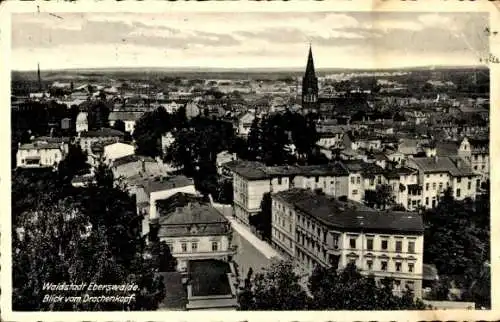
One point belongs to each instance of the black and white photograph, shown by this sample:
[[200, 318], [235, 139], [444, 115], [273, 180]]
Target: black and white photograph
[[250, 161]]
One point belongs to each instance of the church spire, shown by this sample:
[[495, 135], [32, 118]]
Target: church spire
[[310, 84], [39, 78], [310, 64]]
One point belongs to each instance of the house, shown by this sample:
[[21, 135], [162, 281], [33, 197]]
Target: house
[[404, 186], [87, 138], [117, 150], [128, 118], [475, 151], [436, 174], [315, 229], [149, 190], [39, 155], [193, 230], [245, 123]]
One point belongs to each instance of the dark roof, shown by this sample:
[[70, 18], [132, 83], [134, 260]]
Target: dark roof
[[166, 183], [397, 172], [104, 132], [131, 158], [39, 146], [444, 149], [124, 116], [209, 277], [479, 142], [253, 170], [194, 219], [366, 168], [455, 166], [350, 216], [179, 199], [175, 294]]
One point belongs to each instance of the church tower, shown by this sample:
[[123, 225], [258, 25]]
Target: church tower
[[310, 85], [39, 78]]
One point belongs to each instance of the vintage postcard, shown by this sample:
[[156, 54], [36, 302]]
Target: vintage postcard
[[249, 161]]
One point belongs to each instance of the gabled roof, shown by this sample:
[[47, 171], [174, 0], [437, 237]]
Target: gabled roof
[[104, 132], [455, 166]]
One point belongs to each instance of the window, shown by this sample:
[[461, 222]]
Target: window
[[440, 186], [372, 182], [459, 180], [433, 186], [279, 180], [317, 179], [426, 201], [358, 180], [369, 244], [354, 192], [427, 176], [352, 242], [369, 264], [398, 266], [383, 266], [458, 192], [194, 246], [410, 267], [184, 247], [411, 247], [384, 245], [478, 184], [469, 185], [475, 167], [215, 246], [353, 182], [399, 246], [426, 187]]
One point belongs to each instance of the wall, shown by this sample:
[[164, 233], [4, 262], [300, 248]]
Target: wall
[[47, 157]]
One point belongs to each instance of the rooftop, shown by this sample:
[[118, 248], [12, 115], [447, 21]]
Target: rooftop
[[209, 277], [131, 158], [124, 115], [165, 183], [104, 132], [350, 215], [455, 166], [40, 146]]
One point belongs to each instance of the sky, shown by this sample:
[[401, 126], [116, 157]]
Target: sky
[[247, 40]]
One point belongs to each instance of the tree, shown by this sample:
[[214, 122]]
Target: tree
[[349, 290], [254, 142], [74, 163], [148, 131], [276, 288], [457, 238], [89, 235], [119, 125]]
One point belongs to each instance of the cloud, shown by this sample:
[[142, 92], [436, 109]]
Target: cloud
[[245, 39]]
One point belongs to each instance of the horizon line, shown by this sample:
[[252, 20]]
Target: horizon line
[[284, 69]]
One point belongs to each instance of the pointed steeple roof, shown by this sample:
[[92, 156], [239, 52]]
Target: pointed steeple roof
[[310, 64]]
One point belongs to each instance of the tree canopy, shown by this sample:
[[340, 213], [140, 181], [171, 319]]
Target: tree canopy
[[279, 287], [70, 235]]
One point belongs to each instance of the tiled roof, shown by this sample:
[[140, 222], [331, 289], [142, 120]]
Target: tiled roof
[[347, 216], [166, 183], [40, 146], [104, 132], [131, 158], [124, 116], [455, 166], [253, 170]]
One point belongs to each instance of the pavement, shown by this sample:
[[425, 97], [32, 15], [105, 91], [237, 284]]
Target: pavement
[[252, 252]]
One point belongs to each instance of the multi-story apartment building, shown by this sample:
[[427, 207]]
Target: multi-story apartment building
[[404, 185], [195, 231], [436, 174], [476, 153], [362, 176], [251, 180], [316, 229]]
